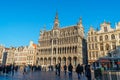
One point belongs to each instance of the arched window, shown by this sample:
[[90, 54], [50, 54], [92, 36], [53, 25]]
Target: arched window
[[96, 54], [75, 49], [105, 29], [54, 42], [112, 36], [101, 46], [107, 47], [93, 54], [106, 37], [91, 33], [89, 55], [96, 46], [91, 38], [101, 38], [95, 38], [114, 45], [92, 46]]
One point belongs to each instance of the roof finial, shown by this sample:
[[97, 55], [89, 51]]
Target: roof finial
[[56, 22], [56, 17], [81, 20]]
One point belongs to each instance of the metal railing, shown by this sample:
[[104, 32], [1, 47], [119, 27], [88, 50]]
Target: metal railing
[[107, 75], [111, 75]]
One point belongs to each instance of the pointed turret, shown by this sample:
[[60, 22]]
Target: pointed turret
[[80, 22], [56, 22], [80, 27]]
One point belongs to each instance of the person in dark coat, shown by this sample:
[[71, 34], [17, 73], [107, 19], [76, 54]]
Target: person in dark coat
[[78, 71], [65, 69], [12, 69], [59, 68], [88, 72], [56, 69], [70, 69], [82, 70]]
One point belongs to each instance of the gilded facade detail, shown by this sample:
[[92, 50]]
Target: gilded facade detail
[[100, 42]]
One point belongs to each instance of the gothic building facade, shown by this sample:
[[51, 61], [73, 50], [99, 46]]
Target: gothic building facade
[[25, 55], [63, 45], [101, 42]]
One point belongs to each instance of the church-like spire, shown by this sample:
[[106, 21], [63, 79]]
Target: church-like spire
[[80, 22], [56, 17], [56, 22]]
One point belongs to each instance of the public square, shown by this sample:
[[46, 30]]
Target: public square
[[44, 39], [40, 75]]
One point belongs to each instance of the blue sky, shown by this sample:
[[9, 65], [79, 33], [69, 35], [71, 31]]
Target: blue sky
[[22, 20]]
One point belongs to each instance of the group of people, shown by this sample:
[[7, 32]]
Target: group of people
[[6, 69], [28, 68], [11, 69], [80, 70]]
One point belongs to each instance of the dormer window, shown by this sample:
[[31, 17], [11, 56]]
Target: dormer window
[[91, 33], [101, 38], [112, 36], [105, 29], [106, 37]]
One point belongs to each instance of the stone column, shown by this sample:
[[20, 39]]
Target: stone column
[[52, 53]]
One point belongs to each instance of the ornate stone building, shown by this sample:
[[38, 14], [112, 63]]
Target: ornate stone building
[[2, 49], [20, 56], [10, 55], [31, 54], [62, 45], [100, 42], [25, 55]]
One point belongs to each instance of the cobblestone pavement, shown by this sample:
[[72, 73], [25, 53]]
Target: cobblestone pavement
[[50, 75]]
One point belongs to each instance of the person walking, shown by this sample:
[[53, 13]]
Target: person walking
[[88, 72], [56, 69], [24, 70], [59, 68], [70, 69], [65, 69], [82, 70], [12, 69], [78, 71]]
